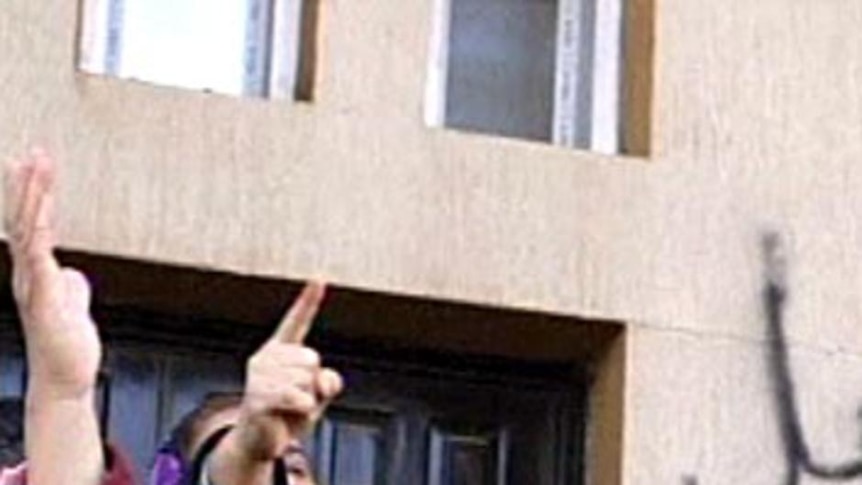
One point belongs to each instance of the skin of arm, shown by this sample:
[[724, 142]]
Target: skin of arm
[[286, 392], [62, 439]]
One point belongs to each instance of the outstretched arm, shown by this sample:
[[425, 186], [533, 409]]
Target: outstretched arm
[[63, 348]]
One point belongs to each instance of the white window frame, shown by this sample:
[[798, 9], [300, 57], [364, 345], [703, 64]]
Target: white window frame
[[436, 88], [590, 87], [285, 48], [273, 39], [607, 77]]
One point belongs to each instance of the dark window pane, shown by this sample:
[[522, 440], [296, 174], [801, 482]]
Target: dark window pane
[[353, 447], [134, 406], [501, 67], [465, 459], [11, 372], [189, 380]]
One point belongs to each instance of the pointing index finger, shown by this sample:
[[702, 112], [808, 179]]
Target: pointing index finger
[[297, 323]]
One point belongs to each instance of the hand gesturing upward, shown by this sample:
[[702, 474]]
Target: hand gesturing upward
[[63, 347], [286, 392], [286, 388]]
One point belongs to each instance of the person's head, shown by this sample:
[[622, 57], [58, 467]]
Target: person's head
[[218, 411], [11, 431]]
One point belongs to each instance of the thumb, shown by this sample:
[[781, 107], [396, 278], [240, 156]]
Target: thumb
[[329, 384], [78, 292]]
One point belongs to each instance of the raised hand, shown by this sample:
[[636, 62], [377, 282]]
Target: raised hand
[[63, 348], [286, 388]]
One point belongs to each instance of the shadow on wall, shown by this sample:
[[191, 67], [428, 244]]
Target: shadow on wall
[[797, 455]]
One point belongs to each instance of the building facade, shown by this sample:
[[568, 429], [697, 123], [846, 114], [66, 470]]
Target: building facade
[[643, 270]]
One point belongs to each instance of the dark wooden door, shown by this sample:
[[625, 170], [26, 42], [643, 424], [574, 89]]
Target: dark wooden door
[[151, 390], [422, 424], [405, 418]]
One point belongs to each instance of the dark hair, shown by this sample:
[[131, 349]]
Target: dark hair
[[174, 463], [185, 433], [11, 431], [187, 463]]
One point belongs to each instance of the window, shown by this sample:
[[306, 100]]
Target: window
[[550, 70], [261, 48]]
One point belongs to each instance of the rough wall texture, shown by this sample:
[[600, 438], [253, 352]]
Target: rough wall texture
[[757, 125]]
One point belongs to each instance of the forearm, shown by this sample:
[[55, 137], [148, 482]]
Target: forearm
[[62, 438], [231, 464]]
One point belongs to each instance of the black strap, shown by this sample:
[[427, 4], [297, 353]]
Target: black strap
[[279, 472], [209, 445], [193, 477]]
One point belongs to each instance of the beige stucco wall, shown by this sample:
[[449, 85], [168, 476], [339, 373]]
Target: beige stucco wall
[[757, 124]]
